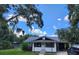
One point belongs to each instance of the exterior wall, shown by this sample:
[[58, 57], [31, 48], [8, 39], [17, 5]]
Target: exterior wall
[[55, 47], [47, 49], [69, 44]]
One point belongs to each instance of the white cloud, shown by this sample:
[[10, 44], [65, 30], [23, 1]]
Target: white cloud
[[38, 32], [7, 16], [59, 19], [66, 18], [55, 27], [54, 35], [45, 32], [19, 18], [22, 19]]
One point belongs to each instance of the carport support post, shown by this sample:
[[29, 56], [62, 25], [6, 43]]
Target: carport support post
[[69, 45], [33, 46], [55, 46]]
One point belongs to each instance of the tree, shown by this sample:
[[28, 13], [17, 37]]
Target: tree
[[27, 11], [73, 14], [23, 38], [6, 37], [71, 34]]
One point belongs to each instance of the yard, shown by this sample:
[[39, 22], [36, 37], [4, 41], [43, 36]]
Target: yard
[[16, 51]]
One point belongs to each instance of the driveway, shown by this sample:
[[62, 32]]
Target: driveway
[[58, 53], [61, 53]]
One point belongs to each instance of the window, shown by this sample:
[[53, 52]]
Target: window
[[37, 44], [49, 44]]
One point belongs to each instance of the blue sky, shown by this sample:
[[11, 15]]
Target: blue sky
[[54, 17]]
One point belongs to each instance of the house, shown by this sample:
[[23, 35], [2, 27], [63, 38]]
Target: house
[[47, 44]]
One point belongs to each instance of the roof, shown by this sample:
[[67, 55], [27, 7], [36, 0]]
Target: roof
[[31, 39], [54, 38]]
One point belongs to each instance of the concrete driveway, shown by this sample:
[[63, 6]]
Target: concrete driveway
[[61, 53], [58, 53]]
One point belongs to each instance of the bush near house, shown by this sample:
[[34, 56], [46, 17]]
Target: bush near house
[[26, 46], [5, 45], [23, 38]]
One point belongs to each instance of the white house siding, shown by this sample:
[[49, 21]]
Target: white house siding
[[47, 49], [50, 49], [36, 49], [55, 47], [33, 47]]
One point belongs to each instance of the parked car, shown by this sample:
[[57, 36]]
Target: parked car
[[74, 50]]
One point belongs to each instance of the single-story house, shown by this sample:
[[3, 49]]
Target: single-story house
[[47, 44]]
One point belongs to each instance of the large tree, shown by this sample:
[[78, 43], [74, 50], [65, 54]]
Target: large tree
[[73, 14], [27, 11], [71, 34]]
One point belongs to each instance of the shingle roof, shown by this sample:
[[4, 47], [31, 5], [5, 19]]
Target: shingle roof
[[54, 38], [31, 39]]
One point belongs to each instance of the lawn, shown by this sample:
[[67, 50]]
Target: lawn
[[16, 51]]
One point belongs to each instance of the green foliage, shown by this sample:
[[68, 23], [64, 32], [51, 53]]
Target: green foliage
[[6, 38], [5, 44], [73, 14], [26, 46], [23, 10], [22, 38], [70, 34]]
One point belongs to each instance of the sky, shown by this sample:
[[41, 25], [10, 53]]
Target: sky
[[55, 16]]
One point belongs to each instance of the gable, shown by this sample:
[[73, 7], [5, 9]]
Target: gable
[[43, 38]]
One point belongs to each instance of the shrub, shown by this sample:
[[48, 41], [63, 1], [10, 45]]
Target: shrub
[[5, 45], [26, 46]]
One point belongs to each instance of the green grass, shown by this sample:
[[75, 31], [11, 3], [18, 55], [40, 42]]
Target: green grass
[[16, 51]]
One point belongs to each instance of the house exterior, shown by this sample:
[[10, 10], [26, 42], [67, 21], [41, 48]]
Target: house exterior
[[47, 44]]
